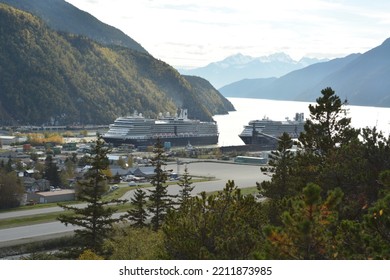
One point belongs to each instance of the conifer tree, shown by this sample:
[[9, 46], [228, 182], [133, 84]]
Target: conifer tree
[[227, 225], [96, 218], [51, 171], [282, 160], [138, 214], [308, 226], [328, 125], [186, 187], [160, 201]]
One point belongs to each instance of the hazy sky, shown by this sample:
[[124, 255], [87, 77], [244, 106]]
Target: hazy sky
[[193, 33]]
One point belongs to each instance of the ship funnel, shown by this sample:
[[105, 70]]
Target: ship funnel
[[183, 114], [299, 117]]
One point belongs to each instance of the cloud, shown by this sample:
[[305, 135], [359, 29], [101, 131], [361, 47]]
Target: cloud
[[203, 31]]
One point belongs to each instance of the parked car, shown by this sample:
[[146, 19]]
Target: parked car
[[132, 184]]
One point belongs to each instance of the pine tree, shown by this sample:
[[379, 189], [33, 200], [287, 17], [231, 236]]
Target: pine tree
[[95, 219], [51, 171], [160, 201], [226, 225], [138, 214], [186, 186], [328, 125], [308, 226], [282, 160]]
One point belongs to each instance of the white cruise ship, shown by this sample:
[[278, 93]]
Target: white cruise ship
[[177, 130]]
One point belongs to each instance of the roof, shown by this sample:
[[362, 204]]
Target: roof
[[119, 170], [54, 193], [144, 171]]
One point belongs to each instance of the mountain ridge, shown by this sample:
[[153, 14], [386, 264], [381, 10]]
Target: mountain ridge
[[62, 16], [47, 77], [236, 67], [361, 79]]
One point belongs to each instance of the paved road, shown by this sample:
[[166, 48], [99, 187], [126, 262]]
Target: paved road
[[243, 176]]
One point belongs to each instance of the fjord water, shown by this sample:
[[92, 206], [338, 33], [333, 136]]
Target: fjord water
[[250, 109]]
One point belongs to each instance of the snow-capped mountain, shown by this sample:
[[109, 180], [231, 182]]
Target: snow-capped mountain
[[239, 66]]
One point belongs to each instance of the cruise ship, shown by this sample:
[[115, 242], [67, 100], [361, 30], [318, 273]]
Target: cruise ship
[[266, 132], [176, 130]]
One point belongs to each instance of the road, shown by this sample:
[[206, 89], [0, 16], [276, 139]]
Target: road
[[243, 176]]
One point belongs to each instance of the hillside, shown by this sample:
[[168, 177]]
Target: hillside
[[50, 77], [62, 16], [237, 67], [362, 79]]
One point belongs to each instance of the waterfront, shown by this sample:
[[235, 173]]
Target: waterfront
[[249, 109]]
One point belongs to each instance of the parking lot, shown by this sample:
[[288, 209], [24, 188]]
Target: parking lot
[[243, 175]]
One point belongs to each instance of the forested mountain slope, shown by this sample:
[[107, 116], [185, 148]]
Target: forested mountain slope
[[50, 77], [62, 16]]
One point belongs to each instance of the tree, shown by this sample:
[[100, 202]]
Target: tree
[[282, 160], [95, 219], [308, 226], [138, 214], [122, 163], [328, 125], [11, 190], [130, 243], [226, 225], [186, 186], [160, 201], [377, 224], [51, 172]]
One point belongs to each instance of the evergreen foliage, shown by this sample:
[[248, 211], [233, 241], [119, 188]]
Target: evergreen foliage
[[160, 200], [223, 226], [328, 125], [282, 160], [96, 218], [138, 214], [78, 81], [51, 172], [307, 227], [186, 187]]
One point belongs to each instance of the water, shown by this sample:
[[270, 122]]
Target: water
[[250, 109]]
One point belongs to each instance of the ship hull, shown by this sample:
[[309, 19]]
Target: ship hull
[[266, 143], [174, 141]]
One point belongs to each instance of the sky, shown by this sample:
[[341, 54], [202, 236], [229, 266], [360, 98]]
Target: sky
[[194, 33]]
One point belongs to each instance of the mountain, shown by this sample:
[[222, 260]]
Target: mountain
[[62, 16], [239, 66], [248, 88], [287, 86], [57, 77], [362, 79]]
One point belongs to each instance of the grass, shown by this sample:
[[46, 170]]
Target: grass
[[51, 217], [46, 218], [28, 220]]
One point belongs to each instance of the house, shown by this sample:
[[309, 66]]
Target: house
[[147, 171], [119, 171], [33, 185]]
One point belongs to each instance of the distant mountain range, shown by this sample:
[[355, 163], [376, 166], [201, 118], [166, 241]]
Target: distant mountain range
[[51, 77], [362, 79], [239, 66]]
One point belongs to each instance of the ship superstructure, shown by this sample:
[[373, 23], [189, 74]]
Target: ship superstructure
[[177, 130], [265, 132]]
